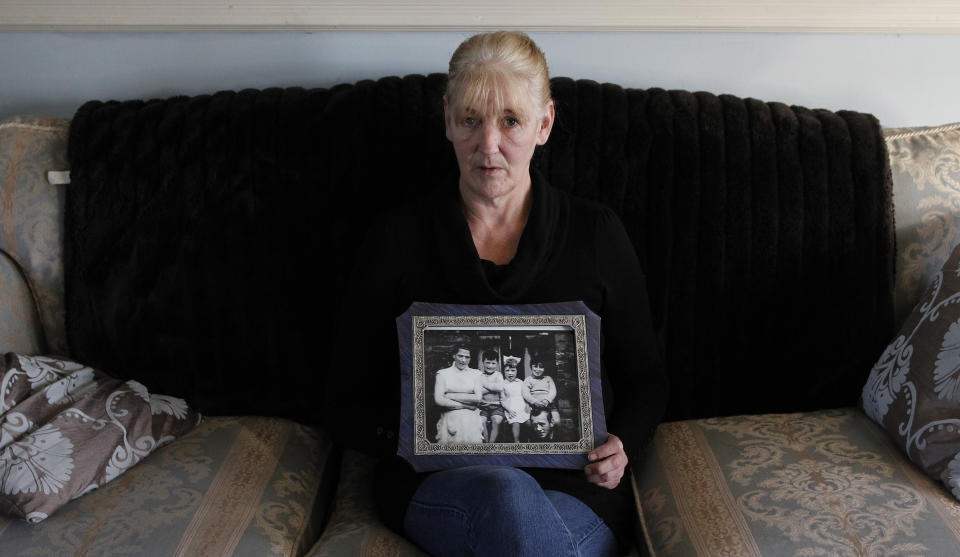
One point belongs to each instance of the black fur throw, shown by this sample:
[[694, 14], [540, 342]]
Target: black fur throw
[[208, 238]]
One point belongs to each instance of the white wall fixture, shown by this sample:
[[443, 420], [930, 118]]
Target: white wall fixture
[[835, 16]]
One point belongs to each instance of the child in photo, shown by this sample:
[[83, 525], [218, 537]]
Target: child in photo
[[491, 384], [539, 389], [517, 411]]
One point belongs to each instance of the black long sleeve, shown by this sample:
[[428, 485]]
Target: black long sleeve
[[570, 250]]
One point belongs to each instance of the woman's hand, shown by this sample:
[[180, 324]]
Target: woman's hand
[[608, 463]]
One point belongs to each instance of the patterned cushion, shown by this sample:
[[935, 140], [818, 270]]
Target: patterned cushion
[[914, 389], [926, 193], [817, 483], [67, 429], [231, 486], [31, 218]]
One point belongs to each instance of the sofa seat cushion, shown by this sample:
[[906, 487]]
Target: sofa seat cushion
[[817, 483], [354, 527], [231, 486]]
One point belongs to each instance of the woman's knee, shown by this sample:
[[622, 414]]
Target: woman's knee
[[501, 490], [504, 479], [498, 493]]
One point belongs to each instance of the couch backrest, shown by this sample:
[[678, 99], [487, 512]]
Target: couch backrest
[[192, 223], [575, 114]]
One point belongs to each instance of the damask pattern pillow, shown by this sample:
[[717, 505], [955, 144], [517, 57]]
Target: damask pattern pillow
[[913, 390], [66, 429]]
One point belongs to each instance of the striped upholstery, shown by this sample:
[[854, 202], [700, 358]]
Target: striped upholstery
[[232, 486]]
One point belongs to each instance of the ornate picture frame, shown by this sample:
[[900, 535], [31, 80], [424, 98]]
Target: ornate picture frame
[[515, 385]]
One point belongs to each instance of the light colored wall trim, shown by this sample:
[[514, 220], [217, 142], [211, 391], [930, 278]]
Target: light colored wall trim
[[840, 16]]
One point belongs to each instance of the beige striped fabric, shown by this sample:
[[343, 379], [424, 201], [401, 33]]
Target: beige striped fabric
[[227, 507]]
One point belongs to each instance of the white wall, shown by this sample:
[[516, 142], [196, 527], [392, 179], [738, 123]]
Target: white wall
[[905, 80]]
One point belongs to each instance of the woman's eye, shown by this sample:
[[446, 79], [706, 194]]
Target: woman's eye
[[510, 122], [469, 122]]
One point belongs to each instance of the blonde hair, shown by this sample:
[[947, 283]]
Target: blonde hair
[[492, 66]]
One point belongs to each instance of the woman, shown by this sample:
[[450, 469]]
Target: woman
[[506, 237], [457, 392]]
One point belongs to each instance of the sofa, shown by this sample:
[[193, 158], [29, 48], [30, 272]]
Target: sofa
[[197, 245]]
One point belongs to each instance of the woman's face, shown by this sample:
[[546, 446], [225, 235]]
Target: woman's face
[[494, 147], [461, 359]]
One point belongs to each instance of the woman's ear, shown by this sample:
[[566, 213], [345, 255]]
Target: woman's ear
[[546, 123]]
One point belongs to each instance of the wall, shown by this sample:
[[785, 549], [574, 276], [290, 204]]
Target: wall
[[904, 80]]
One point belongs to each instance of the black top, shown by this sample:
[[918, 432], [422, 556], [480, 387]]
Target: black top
[[571, 249]]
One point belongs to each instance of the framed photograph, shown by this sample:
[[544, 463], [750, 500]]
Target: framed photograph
[[517, 385]]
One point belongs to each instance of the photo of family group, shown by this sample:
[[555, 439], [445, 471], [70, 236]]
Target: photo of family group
[[501, 386]]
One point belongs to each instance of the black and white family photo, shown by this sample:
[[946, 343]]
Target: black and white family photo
[[496, 385]]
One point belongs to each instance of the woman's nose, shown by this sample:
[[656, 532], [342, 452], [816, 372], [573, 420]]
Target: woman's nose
[[490, 139]]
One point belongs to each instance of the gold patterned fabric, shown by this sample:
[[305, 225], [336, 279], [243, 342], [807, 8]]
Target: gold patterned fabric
[[817, 483], [232, 486], [925, 163]]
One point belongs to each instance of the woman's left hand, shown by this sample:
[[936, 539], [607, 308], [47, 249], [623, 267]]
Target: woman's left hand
[[608, 463]]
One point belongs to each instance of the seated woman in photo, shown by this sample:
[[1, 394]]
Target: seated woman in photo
[[458, 394]]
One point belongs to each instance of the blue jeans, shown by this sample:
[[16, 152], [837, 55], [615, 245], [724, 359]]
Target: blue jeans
[[498, 510]]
